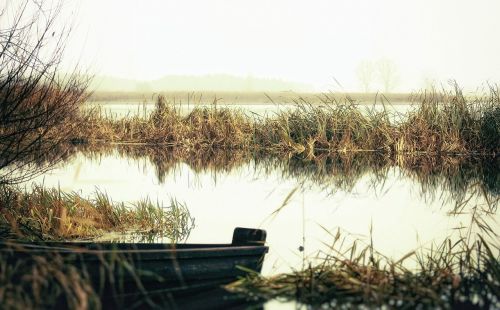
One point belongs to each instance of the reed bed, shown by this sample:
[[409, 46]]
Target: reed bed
[[453, 275], [50, 214], [445, 122]]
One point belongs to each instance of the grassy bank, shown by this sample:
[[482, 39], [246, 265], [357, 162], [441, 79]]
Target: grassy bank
[[49, 214], [441, 123], [451, 276]]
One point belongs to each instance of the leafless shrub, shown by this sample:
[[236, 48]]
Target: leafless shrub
[[37, 102]]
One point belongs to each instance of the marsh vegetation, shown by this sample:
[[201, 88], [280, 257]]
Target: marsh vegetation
[[445, 122], [42, 213], [445, 146], [453, 275]]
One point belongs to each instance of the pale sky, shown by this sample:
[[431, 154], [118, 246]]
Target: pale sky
[[312, 41]]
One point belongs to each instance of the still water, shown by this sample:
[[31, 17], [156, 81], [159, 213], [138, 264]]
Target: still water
[[301, 212], [122, 109]]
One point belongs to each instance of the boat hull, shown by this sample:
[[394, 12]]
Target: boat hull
[[127, 271]]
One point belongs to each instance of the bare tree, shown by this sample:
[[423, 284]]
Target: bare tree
[[429, 83], [366, 74], [38, 105], [388, 74]]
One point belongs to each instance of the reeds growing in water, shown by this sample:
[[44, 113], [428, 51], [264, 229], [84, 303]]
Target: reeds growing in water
[[453, 275], [50, 214], [442, 123]]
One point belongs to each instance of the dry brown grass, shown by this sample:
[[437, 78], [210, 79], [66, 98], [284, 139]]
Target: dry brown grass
[[40, 282], [47, 214], [454, 275], [442, 123]]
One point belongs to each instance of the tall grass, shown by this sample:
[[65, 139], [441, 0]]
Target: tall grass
[[445, 122], [77, 280], [48, 214], [41, 282]]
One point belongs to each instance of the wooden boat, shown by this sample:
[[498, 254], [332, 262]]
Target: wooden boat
[[130, 270]]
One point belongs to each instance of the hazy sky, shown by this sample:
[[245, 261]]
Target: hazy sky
[[305, 41]]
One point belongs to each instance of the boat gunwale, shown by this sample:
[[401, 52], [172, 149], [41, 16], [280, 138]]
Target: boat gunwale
[[198, 250]]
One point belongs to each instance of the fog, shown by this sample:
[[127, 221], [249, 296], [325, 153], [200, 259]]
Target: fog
[[326, 44]]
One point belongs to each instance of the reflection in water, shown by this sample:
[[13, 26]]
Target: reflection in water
[[448, 178], [401, 203], [117, 110], [18, 168]]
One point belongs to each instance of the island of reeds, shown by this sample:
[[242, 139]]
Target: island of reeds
[[445, 122]]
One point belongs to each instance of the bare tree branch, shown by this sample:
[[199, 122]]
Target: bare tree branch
[[38, 105]]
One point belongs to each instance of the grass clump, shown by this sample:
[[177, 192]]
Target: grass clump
[[203, 128], [449, 123], [443, 122], [490, 128], [50, 214], [451, 276], [333, 126], [214, 128]]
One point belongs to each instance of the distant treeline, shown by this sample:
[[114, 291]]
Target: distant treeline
[[218, 82], [230, 97]]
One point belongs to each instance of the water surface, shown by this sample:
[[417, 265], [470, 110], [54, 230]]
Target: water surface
[[121, 109], [301, 207]]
